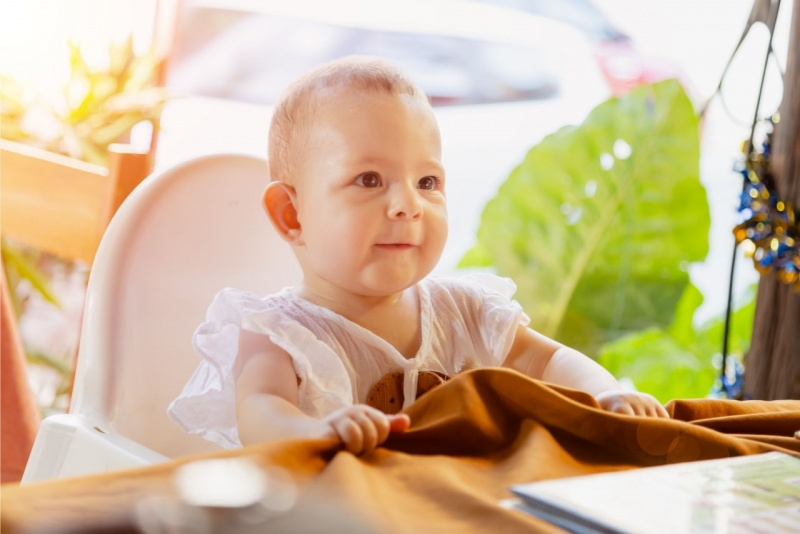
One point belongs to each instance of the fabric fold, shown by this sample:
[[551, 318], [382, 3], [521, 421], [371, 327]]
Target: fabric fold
[[471, 438]]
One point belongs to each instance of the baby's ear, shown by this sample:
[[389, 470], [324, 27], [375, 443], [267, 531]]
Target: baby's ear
[[279, 203]]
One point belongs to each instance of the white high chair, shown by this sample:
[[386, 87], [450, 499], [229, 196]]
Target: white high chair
[[180, 237]]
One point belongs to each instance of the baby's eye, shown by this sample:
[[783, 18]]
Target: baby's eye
[[368, 179], [430, 183]]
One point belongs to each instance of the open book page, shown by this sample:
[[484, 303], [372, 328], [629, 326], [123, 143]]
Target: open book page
[[758, 493]]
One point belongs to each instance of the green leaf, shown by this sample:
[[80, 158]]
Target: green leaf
[[677, 362], [92, 152], [121, 57], [682, 327], [709, 337], [658, 364], [39, 358], [598, 223], [143, 72], [477, 256], [664, 362], [12, 101], [12, 109], [13, 131], [77, 65], [114, 129], [24, 268]]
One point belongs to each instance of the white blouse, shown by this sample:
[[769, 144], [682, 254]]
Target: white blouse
[[467, 322]]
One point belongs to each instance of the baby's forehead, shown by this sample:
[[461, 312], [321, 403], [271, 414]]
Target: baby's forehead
[[327, 87], [314, 104], [333, 108], [320, 105]]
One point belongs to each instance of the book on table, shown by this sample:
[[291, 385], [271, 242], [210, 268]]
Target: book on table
[[745, 494]]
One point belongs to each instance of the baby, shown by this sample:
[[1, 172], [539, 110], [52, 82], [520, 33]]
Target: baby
[[358, 192]]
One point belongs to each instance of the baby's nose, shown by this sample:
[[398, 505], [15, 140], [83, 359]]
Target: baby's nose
[[405, 203]]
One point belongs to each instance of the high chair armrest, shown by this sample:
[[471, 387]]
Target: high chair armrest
[[70, 445]]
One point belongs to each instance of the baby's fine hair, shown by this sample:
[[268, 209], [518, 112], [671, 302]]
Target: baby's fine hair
[[295, 108]]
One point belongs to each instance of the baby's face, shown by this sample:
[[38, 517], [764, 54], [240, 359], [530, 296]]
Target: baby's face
[[370, 194]]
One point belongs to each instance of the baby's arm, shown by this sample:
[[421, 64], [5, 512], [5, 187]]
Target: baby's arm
[[267, 398], [542, 358]]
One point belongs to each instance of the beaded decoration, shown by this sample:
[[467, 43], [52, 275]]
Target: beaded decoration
[[768, 229]]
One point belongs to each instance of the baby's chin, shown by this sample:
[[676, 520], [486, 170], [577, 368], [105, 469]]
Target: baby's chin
[[389, 284]]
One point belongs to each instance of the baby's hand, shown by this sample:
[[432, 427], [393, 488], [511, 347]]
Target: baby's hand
[[631, 403], [361, 428]]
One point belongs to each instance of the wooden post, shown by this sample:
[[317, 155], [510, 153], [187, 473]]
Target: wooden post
[[62, 205], [20, 415], [126, 169], [773, 362]]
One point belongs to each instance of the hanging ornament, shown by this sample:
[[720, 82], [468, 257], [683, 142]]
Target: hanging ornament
[[760, 210], [768, 230]]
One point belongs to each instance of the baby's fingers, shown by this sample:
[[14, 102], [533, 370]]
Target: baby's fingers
[[641, 408], [616, 404], [380, 423], [350, 433], [650, 407], [660, 411], [369, 431], [623, 408], [399, 423]]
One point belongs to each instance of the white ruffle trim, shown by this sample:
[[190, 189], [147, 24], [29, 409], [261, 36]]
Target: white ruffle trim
[[207, 404], [500, 315]]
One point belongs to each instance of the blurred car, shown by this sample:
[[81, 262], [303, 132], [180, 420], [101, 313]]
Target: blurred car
[[482, 54], [500, 78], [623, 65]]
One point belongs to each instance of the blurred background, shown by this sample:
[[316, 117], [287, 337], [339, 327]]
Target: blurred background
[[501, 74]]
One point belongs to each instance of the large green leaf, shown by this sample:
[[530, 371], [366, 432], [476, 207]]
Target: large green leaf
[[664, 362], [678, 362], [599, 223], [657, 364], [708, 339]]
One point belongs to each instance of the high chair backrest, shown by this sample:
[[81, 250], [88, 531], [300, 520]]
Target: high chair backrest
[[184, 234]]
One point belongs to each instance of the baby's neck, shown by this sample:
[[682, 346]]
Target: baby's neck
[[394, 318], [351, 304]]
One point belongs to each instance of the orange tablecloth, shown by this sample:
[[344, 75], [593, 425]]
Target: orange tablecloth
[[470, 439]]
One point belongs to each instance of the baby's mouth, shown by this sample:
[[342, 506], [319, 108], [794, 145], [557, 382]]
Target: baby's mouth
[[394, 246]]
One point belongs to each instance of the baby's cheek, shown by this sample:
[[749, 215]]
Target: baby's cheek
[[437, 237]]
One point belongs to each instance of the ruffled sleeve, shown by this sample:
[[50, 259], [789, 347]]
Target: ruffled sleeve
[[207, 404], [493, 314]]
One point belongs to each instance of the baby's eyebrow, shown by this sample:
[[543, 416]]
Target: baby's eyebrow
[[438, 165]]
